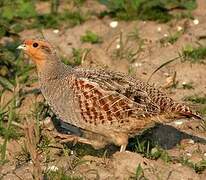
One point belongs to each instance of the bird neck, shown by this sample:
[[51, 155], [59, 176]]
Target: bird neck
[[52, 70]]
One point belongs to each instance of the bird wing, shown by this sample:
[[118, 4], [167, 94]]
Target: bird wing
[[104, 96]]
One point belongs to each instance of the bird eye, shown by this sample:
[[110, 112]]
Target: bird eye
[[35, 45]]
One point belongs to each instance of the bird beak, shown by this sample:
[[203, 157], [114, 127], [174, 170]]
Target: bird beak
[[22, 46]]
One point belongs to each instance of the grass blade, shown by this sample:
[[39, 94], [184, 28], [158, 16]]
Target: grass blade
[[161, 66], [4, 145], [6, 83]]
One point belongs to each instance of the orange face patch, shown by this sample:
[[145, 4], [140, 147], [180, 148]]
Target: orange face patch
[[35, 50]]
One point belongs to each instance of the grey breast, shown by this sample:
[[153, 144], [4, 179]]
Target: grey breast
[[60, 98]]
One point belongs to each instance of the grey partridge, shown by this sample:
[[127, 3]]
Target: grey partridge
[[110, 104]]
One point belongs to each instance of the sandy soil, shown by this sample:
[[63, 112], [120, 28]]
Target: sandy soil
[[187, 138]]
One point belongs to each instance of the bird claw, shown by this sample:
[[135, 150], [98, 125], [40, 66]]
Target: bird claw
[[66, 138]]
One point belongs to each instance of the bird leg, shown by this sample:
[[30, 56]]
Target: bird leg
[[119, 139], [123, 147], [70, 137]]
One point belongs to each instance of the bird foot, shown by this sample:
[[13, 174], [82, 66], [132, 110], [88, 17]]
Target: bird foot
[[64, 138], [123, 148]]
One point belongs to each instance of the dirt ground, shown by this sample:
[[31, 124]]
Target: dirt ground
[[181, 138]]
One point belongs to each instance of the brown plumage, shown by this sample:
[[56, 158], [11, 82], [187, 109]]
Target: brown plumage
[[111, 104]]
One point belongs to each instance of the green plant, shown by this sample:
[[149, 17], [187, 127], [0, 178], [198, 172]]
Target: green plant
[[23, 156], [163, 65], [157, 10], [22, 9], [40, 111], [196, 99], [8, 132], [91, 37], [199, 167], [66, 18], [139, 174], [78, 3], [149, 149], [124, 50], [60, 174], [158, 152], [134, 35], [172, 38], [32, 138], [13, 70], [17, 15], [201, 101], [78, 56], [194, 54], [12, 11], [188, 85], [68, 171], [54, 6]]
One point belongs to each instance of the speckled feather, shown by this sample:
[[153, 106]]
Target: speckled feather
[[108, 103]]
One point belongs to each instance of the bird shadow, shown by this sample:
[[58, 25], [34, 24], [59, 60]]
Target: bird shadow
[[165, 136]]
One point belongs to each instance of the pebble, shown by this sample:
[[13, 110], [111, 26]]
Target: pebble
[[188, 154], [166, 74], [184, 83], [118, 46], [159, 29], [179, 28], [196, 21], [137, 64], [113, 24], [55, 31]]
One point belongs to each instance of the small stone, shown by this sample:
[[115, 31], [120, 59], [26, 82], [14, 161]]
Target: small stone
[[118, 46], [196, 21], [165, 35], [179, 164], [159, 29], [137, 64], [184, 83], [113, 24], [179, 28], [188, 154], [55, 31], [154, 150], [166, 74]]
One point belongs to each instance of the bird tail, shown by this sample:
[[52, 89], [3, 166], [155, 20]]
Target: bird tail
[[184, 110]]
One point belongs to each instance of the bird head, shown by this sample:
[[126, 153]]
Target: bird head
[[40, 51]]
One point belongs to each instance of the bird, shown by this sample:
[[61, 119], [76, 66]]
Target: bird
[[111, 104]]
